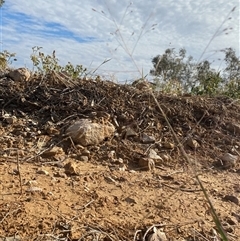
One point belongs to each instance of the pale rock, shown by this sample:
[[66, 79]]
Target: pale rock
[[85, 152], [129, 132], [112, 155], [34, 189], [122, 167], [20, 75], [120, 160], [229, 160], [86, 133], [158, 235], [82, 158], [147, 139], [153, 155]]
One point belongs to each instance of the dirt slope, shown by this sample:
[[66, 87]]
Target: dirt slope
[[115, 192]]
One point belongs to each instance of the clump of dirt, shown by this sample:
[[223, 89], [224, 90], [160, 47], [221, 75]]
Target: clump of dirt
[[54, 189]]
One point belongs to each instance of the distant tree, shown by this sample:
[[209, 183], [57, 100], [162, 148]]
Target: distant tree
[[231, 74], [232, 70], [175, 70], [173, 66], [168, 65], [198, 78], [1, 2], [206, 80]]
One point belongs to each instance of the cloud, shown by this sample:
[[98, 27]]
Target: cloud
[[130, 34]]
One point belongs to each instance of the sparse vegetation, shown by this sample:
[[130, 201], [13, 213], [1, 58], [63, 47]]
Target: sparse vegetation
[[1, 2], [6, 59], [176, 73], [45, 64]]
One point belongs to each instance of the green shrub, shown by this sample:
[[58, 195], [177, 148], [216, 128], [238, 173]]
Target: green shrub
[[46, 64]]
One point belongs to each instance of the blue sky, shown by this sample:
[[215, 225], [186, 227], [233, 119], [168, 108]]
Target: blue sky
[[129, 33]]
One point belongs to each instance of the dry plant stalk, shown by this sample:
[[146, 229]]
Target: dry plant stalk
[[19, 173]]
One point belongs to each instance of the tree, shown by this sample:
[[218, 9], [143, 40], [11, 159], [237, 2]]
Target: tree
[[232, 70], [176, 73], [1, 3], [173, 66], [198, 78], [169, 65], [231, 74]]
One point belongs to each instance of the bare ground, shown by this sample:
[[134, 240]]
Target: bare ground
[[118, 198]]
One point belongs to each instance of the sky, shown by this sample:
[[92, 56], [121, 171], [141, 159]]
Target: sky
[[124, 34]]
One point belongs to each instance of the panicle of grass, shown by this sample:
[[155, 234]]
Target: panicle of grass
[[218, 32], [119, 36]]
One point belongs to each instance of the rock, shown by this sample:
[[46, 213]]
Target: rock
[[229, 160], [19, 75], [85, 152], [82, 158], [158, 235], [147, 139], [153, 155], [86, 133], [34, 189], [129, 132], [53, 152], [122, 167], [71, 168], [192, 143], [112, 155], [130, 200]]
